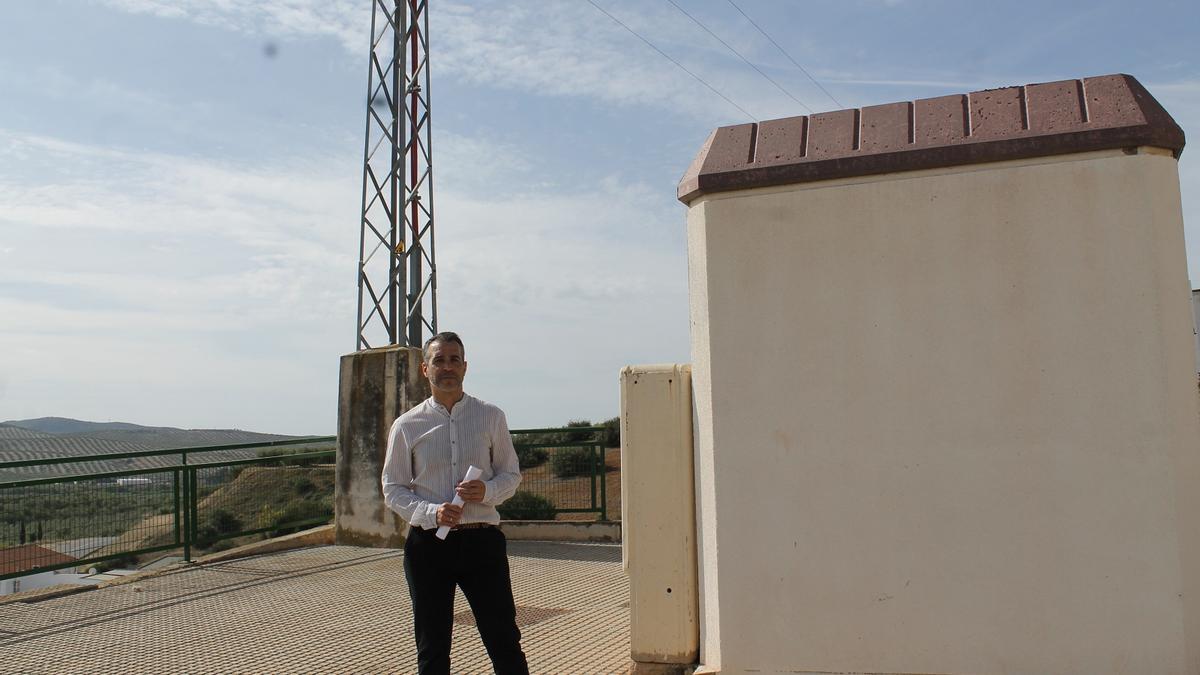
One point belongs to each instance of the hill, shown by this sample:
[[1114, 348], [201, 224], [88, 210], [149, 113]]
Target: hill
[[54, 437], [66, 425], [150, 437], [259, 496], [9, 431]]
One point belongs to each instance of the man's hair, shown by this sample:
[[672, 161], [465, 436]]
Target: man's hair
[[445, 336]]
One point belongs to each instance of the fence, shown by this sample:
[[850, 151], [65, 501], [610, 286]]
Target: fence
[[563, 471], [85, 517], [70, 512]]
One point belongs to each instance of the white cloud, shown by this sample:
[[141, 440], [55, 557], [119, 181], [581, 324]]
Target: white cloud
[[208, 288], [344, 20], [558, 48]]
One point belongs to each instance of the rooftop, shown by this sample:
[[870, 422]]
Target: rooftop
[[319, 609]]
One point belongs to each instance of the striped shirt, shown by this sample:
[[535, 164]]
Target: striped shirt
[[429, 450]]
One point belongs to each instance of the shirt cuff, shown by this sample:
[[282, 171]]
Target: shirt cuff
[[430, 517]]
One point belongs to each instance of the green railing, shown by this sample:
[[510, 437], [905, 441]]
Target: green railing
[[185, 498], [563, 471], [67, 512]]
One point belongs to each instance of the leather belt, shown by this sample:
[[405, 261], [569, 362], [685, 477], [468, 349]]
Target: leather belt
[[471, 526]]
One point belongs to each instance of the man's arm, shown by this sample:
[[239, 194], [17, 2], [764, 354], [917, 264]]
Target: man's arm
[[397, 477], [506, 469]]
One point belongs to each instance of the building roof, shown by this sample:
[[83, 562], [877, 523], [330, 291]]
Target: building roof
[[29, 556], [1036, 120]]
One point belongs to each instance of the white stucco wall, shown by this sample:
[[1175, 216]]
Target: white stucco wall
[[947, 421]]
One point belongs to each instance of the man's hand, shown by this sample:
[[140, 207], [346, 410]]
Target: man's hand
[[449, 515], [471, 490]]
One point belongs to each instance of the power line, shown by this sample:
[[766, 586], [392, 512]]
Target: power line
[[667, 57], [784, 51], [739, 55]]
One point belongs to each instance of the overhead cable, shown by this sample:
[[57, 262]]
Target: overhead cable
[[739, 55], [784, 52], [667, 57]]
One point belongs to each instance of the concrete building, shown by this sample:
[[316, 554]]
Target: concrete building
[[945, 397]]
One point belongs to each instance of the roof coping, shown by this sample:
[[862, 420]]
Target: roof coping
[[1036, 120]]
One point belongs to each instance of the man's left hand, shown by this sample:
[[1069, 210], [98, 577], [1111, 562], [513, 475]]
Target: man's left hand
[[471, 490]]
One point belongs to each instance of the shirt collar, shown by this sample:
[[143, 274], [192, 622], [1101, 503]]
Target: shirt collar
[[442, 409]]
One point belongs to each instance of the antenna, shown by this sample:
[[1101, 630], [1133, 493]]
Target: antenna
[[397, 276]]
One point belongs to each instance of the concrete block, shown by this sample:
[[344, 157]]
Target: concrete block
[[376, 387]]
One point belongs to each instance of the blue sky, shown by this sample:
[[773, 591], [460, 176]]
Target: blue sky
[[180, 179]]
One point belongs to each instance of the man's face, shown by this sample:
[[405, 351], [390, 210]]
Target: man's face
[[444, 367]]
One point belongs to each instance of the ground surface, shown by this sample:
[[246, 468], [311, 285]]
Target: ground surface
[[325, 609]]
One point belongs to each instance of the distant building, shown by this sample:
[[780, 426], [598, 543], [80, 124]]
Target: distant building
[[27, 557]]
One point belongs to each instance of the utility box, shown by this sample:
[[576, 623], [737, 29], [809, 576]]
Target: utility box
[[658, 516]]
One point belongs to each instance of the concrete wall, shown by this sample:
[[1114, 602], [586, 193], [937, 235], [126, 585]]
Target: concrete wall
[[376, 387], [947, 421]]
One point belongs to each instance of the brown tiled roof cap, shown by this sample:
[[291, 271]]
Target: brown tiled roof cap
[[1037, 120]]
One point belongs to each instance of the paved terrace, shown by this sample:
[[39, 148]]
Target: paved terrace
[[324, 609]]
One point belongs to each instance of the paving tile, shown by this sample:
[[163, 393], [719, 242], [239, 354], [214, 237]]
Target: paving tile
[[318, 610]]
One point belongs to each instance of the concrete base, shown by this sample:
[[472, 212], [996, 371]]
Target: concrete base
[[646, 668], [317, 536], [555, 530], [376, 387]]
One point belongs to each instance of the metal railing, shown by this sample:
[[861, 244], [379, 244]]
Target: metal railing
[[111, 507], [563, 471], [87, 517]]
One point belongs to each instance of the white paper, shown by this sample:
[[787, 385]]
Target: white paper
[[473, 472]]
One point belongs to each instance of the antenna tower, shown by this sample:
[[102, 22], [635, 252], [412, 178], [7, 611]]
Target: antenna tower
[[397, 280]]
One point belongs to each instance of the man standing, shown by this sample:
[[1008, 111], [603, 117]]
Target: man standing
[[429, 450]]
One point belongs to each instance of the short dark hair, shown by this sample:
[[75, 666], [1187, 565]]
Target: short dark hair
[[444, 336]]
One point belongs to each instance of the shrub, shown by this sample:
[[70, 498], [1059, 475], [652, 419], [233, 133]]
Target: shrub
[[219, 524], [303, 485], [577, 461], [224, 522], [527, 506], [530, 457], [298, 511], [612, 433], [571, 436]]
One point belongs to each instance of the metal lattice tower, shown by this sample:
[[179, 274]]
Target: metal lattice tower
[[397, 277]]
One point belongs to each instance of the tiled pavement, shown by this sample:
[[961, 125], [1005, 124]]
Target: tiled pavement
[[332, 609]]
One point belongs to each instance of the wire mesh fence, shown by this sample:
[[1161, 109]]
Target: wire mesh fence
[[565, 474], [61, 513], [55, 521], [274, 497]]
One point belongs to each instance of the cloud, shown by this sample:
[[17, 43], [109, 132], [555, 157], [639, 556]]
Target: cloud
[[183, 291], [546, 48], [343, 20]]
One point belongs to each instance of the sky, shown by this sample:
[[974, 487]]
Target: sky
[[180, 180]]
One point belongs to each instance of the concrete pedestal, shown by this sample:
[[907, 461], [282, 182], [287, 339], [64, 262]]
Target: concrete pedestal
[[376, 387]]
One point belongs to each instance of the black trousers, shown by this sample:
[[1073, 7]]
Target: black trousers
[[476, 561]]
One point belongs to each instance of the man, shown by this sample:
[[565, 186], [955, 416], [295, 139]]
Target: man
[[429, 450]]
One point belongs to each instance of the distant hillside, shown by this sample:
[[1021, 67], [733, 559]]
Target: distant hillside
[[9, 431], [260, 496], [66, 425], [52, 437], [151, 437]]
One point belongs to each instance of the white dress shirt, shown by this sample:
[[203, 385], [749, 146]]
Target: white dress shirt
[[428, 451]]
